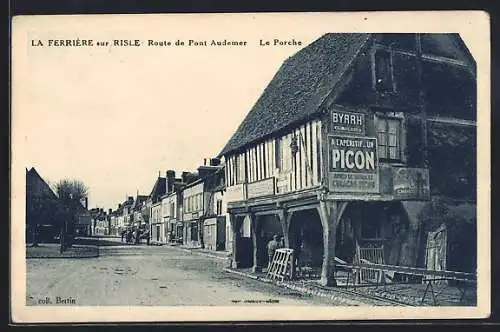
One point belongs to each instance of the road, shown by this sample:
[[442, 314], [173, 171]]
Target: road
[[149, 276]]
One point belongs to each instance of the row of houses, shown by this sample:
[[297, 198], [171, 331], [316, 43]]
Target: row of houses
[[186, 210], [359, 140]]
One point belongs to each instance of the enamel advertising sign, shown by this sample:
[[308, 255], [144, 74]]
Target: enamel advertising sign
[[353, 164], [348, 122]]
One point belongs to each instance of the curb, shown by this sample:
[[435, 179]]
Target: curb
[[193, 251], [94, 254], [244, 274]]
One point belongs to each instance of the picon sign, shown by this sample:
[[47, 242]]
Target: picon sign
[[353, 164]]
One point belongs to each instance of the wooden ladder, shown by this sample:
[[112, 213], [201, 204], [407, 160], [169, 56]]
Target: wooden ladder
[[281, 265]]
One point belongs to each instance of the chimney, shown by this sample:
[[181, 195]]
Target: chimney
[[169, 179], [185, 177], [204, 171], [214, 162], [86, 203]]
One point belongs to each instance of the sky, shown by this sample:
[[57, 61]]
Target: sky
[[117, 117]]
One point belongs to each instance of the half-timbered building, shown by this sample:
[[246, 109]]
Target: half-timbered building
[[335, 153]]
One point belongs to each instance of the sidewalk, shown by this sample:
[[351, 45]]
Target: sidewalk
[[51, 250]]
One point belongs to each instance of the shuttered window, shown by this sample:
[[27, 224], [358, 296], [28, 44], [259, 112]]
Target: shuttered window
[[389, 139]]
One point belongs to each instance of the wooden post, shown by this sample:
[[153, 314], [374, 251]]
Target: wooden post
[[285, 223], [330, 213], [254, 222], [235, 227], [285, 219]]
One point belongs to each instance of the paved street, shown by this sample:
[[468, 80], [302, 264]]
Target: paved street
[[150, 276]]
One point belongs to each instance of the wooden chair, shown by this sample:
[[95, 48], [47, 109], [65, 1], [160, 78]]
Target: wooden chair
[[374, 255]]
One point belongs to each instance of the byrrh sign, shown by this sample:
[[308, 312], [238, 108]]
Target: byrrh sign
[[348, 122], [353, 164]]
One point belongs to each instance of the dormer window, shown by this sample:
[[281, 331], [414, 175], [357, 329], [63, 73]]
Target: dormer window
[[383, 73]]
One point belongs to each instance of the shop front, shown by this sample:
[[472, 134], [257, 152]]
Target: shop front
[[214, 233]]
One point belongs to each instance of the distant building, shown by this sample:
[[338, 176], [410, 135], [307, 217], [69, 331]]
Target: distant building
[[41, 208], [116, 221], [127, 212], [83, 224], [170, 208], [214, 218], [193, 208], [198, 202], [137, 212], [153, 202]]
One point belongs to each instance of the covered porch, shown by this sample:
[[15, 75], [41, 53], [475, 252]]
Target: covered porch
[[324, 233]]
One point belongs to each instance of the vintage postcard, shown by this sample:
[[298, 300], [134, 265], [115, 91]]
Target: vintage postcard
[[250, 167]]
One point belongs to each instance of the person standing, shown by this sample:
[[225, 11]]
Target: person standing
[[271, 249], [137, 235]]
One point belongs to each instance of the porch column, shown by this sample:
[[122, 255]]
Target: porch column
[[284, 219], [254, 222], [235, 227], [330, 213]]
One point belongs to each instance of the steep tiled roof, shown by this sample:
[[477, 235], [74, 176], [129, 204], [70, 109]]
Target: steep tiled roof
[[138, 201], [33, 179], [299, 87], [159, 189]]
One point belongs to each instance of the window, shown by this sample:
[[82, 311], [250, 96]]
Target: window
[[172, 210], [383, 71], [277, 152], [388, 137], [219, 207], [194, 232], [240, 168]]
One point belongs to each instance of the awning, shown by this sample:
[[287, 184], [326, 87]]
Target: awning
[[210, 221]]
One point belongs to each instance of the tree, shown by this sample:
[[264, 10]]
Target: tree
[[70, 193], [72, 189]]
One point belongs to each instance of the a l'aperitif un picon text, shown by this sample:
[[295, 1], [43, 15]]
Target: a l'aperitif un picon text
[[161, 42]]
